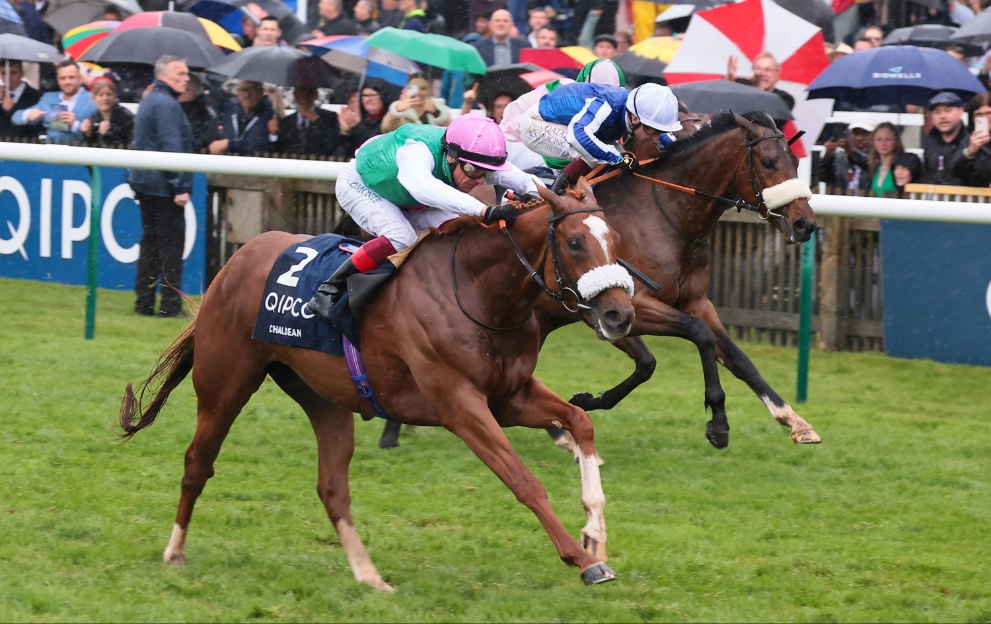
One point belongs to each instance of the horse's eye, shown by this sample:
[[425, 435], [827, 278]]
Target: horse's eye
[[574, 244], [768, 163]]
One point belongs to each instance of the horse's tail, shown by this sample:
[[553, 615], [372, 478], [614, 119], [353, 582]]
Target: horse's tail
[[171, 369]]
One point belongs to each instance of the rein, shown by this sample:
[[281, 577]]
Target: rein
[[556, 259]]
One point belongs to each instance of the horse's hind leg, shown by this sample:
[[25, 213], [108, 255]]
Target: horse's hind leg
[[390, 435], [334, 428], [734, 359], [223, 386]]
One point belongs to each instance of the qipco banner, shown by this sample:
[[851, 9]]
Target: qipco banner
[[45, 226]]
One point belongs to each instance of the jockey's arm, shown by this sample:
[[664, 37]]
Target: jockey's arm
[[582, 129], [516, 179], [416, 174]]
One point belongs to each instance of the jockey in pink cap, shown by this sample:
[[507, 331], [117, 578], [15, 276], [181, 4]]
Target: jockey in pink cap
[[415, 178]]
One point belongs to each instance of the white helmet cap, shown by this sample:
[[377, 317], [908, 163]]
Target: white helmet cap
[[656, 106]]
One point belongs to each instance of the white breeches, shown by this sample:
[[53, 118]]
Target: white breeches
[[379, 216], [544, 137], [522, 156]]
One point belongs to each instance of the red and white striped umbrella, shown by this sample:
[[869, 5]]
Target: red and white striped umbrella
[[745, 30]]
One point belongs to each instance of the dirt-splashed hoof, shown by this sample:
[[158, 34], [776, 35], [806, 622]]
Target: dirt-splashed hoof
[[805, 435], [719, 438], [594, 547], [598, 573], [177, 559]]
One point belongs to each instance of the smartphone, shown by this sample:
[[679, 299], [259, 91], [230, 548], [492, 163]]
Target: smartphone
[[981, 123], [412, 90]]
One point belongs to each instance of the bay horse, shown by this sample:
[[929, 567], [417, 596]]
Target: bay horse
[[733, 161], [451, 340], [664, 232]]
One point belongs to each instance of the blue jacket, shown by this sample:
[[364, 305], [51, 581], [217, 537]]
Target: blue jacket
[[161, 126], [253, 138], [83, 108], [594, 113]]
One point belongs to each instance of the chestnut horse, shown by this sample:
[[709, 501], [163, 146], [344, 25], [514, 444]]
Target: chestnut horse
[[664, 232], [451, 340]]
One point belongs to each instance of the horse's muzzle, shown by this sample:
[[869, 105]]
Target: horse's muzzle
[[802, 229]]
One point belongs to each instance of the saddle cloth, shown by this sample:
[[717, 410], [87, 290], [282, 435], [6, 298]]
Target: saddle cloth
[[283, 318]]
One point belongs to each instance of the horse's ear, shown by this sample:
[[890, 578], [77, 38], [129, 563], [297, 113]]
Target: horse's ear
[[585, 189], [749, 127], [548, 195]]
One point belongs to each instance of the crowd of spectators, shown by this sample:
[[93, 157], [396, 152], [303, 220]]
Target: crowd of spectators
[[248, 118]]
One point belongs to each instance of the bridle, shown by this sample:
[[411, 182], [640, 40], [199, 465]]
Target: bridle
[[557, 260]]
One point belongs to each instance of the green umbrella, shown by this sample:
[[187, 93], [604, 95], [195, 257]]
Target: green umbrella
[[435, 50]]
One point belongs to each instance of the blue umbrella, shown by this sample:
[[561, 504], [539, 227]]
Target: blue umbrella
[[228, 13], [900, 74], [352, 54]]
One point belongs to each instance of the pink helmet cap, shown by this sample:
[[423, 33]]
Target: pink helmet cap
[[477, 140]]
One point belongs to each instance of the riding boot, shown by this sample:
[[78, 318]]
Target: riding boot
[[575, 169], [331, 290]]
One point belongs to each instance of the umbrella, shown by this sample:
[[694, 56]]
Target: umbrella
[[711, 96], [516, 80], [279, 65], [660, 49], [813, 11], [635, 65], [10, 20], [930, 36], [80, 38], [192, 24], [568, 57], [353, 54], [64, 15], [977, 30], [435, 50], [228, 13], [714, 35], [17, 48], [145, 45], [894, 75]]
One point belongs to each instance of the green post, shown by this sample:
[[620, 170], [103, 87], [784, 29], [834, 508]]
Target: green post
[[94, 250], [805, 318]]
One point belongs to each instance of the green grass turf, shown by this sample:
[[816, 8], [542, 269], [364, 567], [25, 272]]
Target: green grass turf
[[887, 520]]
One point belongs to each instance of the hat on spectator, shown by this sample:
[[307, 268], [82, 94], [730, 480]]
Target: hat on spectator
[[608, 38], [867, 124], [946, 98], [911, 161]]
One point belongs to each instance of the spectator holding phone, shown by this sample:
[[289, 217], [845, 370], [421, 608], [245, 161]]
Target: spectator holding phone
[[416, 105], [844, 165], [974, 168], [61, 112]]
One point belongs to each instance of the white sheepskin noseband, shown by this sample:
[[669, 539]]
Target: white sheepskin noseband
[[785, 193], [603, 277]]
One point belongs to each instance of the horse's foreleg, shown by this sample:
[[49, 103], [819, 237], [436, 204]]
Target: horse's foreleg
[[536, 406], [222, 389], [334, 429], [655, 318], [734, 359], [467, 416], [634, 347]]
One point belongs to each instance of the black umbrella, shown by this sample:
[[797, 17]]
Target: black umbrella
[[930, 36], [146, 45], [64, 15], [633, 64], [813, 11], [293, 30], [977, 30], [712, 96], [283, 66]]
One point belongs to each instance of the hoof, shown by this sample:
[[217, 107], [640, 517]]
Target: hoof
[[177, 559], [380, 585], [717, 438], [594, 547], [585, 401], [597, 573], [388, 443], [805, 435]]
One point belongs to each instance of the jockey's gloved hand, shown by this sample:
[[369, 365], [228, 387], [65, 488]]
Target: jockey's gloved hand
[[495, 214], [628, 164]]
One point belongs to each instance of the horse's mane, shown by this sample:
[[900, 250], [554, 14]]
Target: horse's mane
[[460, 223], [720, 123]]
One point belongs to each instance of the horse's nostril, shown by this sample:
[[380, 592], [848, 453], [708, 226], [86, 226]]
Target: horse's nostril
[[803, 229]]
